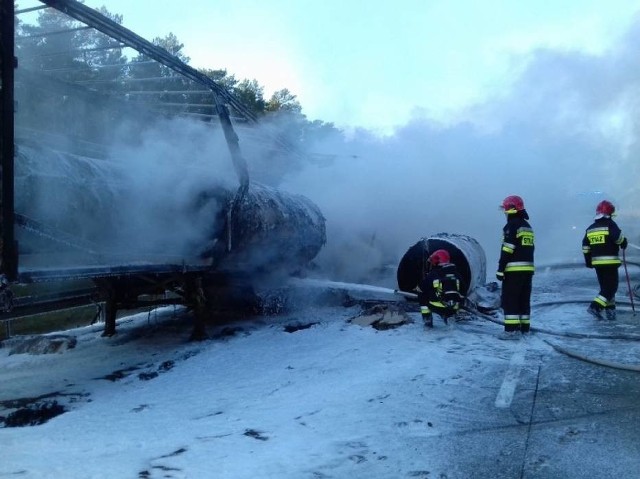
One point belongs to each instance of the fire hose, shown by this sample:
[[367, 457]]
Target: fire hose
[[568, 352]]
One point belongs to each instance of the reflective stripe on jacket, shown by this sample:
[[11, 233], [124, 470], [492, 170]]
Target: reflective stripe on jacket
[[519, 266]]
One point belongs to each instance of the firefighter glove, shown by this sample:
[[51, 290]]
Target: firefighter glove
[[499, 275], [624, 244]]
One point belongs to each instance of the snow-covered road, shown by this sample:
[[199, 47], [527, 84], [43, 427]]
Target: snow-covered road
[[332, 399]]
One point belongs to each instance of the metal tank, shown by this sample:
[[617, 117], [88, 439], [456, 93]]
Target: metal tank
[[75, 211], [466, 253]]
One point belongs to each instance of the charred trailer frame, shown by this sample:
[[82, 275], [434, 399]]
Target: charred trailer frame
[[121, 286]]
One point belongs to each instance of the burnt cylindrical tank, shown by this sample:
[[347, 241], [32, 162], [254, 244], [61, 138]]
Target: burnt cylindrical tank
[[79, 211], [269, 230], [466, 253]]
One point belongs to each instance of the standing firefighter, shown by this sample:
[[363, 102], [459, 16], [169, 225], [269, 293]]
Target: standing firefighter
[[600, 246], [440, 288], [515, 268]]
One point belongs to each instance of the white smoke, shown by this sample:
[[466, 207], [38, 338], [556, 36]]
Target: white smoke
[[165, 170], [566, 129]]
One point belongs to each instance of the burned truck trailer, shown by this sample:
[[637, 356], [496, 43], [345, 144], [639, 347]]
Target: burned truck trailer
[[82, 217], [78, 202]]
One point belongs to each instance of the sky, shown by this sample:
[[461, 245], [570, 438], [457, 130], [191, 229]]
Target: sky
[[377, 65], [316, 392]]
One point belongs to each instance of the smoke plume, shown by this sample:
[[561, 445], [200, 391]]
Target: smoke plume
[[563, 137]]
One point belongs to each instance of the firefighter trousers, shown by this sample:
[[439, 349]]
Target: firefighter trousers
[[516, 301], [608, 281]]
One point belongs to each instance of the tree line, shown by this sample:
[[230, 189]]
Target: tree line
[[70, 52]]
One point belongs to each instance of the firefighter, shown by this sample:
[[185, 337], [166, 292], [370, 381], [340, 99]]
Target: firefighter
[[516, 268], [600, 246], [439, 290]]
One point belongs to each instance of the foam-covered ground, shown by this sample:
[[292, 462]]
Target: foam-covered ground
[[310, 394]]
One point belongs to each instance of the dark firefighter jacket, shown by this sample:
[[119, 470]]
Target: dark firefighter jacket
[[516, 254], [601, 243], [441, 288]]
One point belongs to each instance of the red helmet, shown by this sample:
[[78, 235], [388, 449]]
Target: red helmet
[[512, 204], [439, 256], [605, 208]]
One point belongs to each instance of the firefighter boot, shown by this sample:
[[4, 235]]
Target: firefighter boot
[[610, 313], [428, 320], [509, 335], [595, 311]]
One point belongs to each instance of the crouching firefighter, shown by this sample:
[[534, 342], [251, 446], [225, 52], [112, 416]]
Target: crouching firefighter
[[439, 290], [600, 245]]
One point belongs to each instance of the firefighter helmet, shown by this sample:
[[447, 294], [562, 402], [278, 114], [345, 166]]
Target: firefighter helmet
[[439, 256], [605, 208], [512, 204]]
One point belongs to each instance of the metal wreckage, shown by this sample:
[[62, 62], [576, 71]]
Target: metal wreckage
[[470, 260], [72, 214], [68, 214]]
